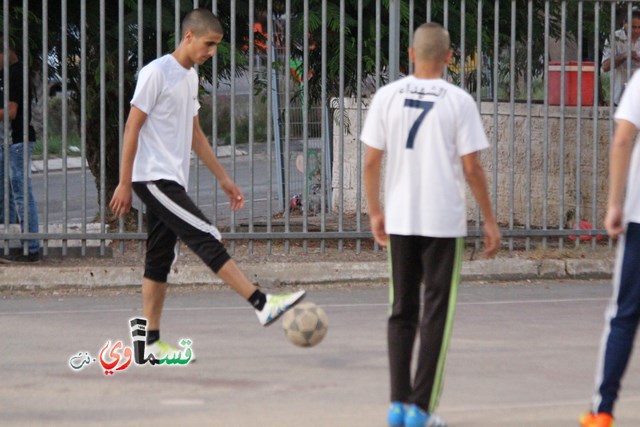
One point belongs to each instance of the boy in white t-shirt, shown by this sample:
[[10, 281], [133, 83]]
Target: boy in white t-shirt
[[622, 222], [161, 130], [431, 132]]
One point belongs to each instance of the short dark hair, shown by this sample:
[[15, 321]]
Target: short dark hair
[[635, 14], [200, 21]]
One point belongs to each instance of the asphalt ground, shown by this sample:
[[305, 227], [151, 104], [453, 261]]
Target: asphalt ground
[[522, 354]]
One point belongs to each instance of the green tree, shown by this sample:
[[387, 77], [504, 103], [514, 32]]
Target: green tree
[[348, 74]]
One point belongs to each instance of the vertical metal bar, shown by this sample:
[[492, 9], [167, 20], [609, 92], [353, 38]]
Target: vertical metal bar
[[45, 117], [579, 125], [197, 162], [176, 23], [140, 41], [103, 133], [596, 136], [378, 40], [445, 12], [629, 32], [528, 124], [6, 123], [342, 113], [359, 122], [496, 47], [140, 35], [26, 105], [326, 151], [120, 98], [158, 28], [287, 121], [251, 118], [177, 37], [463, 51], [479, 64], [411, 27], [214, 120], [83, 117], [612, 74], [512, 107], [270, 113], [275, 116], [479, 57], [64, 108], [563, 39], [394, 38], [545, 156], [445, 23], [305, 121]]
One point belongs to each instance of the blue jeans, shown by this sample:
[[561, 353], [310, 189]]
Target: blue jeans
[[16, 192]]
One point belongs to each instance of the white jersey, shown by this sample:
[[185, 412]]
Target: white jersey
[[168, 93], [629, 110], [425, 126]]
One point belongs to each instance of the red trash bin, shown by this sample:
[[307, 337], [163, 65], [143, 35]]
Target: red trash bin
[[571, 82]]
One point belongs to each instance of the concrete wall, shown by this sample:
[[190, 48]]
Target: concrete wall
[[513, 185]]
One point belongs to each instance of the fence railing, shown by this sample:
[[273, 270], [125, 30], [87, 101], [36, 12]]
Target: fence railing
[[284, 100]]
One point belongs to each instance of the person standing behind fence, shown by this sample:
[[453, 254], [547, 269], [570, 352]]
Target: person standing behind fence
[[617, 53], [431, 132], [622, 222], [12, 212], [17, 205], [161, 130]]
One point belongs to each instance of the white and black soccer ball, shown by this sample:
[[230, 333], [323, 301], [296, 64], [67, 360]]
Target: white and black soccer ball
[[305, 325]]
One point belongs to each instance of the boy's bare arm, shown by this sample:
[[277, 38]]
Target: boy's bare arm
[[619, 160], [372, 166], [121, 200], [474, 174]]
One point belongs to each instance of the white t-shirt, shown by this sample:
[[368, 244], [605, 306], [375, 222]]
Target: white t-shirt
[[168, 93], [425, 126], [629, 110]]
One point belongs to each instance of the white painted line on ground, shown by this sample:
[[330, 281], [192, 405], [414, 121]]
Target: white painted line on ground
[[515, 406], [244, 307], [182, 402], [534, 301]]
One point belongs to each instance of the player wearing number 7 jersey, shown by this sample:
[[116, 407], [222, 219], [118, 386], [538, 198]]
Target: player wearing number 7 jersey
[[431, 132]]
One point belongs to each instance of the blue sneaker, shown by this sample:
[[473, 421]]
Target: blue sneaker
[[396, 415], [416, 417]]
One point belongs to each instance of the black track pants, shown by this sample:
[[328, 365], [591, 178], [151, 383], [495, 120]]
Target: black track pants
[[435, 263]]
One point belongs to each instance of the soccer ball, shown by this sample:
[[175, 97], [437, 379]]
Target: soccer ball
[[305, 325]]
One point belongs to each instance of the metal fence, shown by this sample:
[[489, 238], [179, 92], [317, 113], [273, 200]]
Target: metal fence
[[284, 100]]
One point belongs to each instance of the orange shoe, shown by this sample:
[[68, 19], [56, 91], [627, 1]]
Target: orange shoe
[[596, 420]]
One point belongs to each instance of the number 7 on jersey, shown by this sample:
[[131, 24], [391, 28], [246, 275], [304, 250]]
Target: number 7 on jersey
[[425, 106]]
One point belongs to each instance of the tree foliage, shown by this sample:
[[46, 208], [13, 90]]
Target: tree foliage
[[339, 23]]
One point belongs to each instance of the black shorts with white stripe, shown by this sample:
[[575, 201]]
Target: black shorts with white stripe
[[171, 214]]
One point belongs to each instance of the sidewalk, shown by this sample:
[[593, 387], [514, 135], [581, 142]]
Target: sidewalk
[[75, 162], [273, 274]]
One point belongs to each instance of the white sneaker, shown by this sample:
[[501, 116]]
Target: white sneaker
[[277, 305]]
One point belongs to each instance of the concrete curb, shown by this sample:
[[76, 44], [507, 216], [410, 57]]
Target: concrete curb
[[15, 277], [75, 162]]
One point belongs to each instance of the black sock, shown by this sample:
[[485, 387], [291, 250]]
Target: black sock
[[153, 336], [257, 300]]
